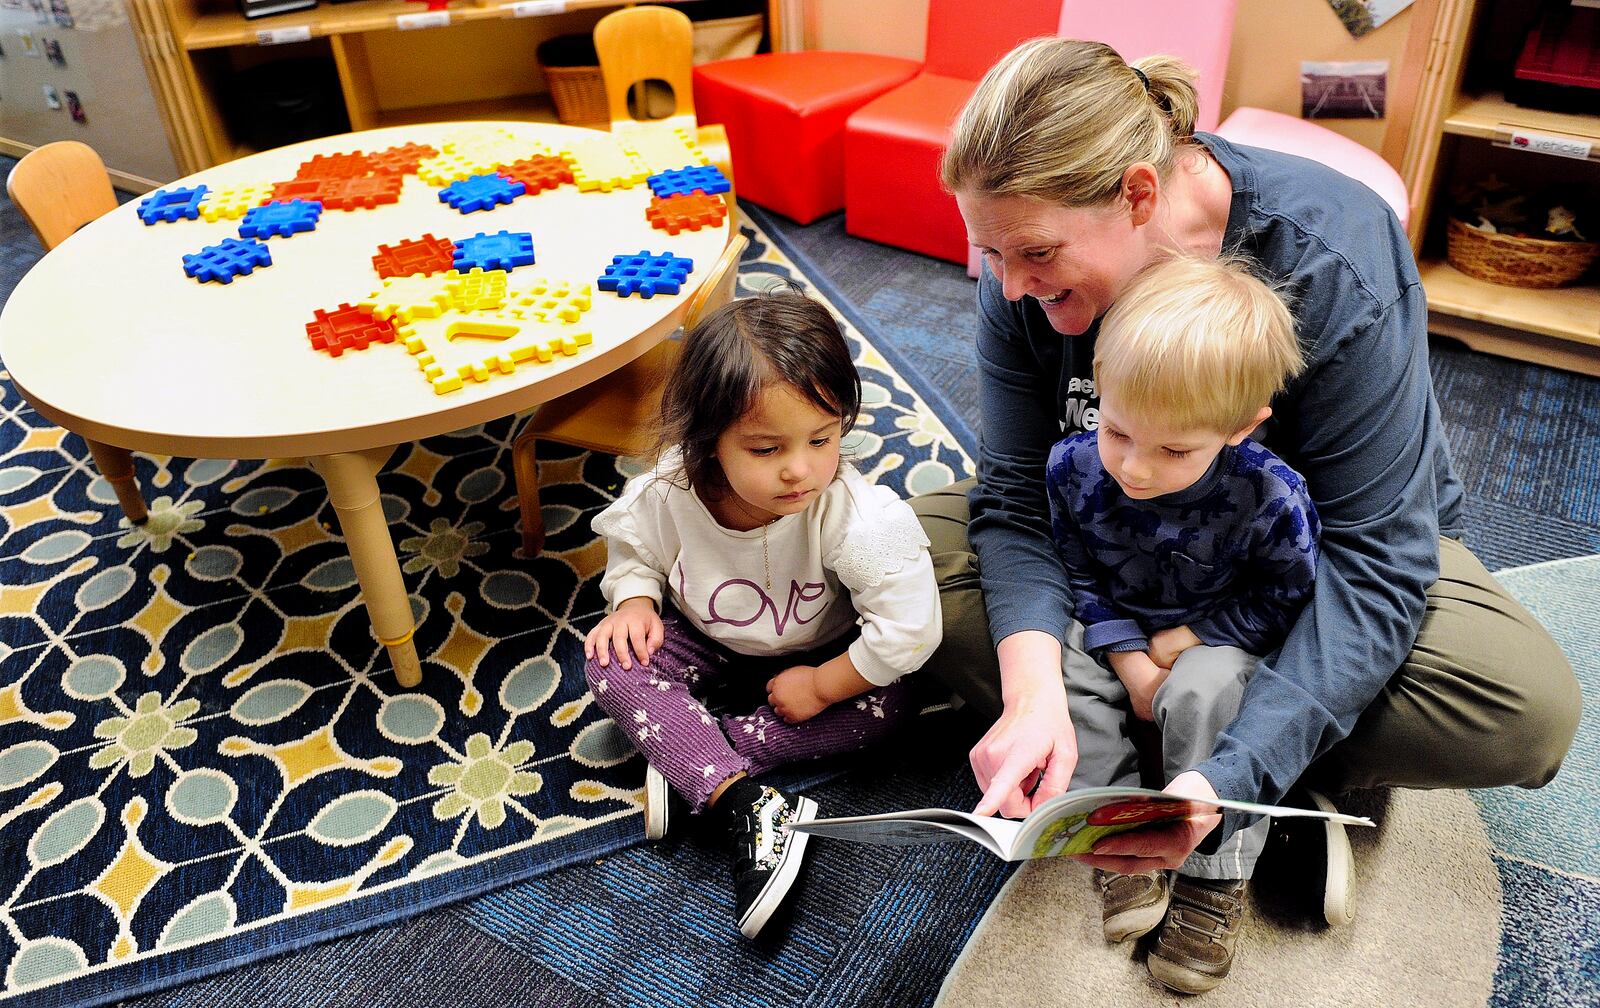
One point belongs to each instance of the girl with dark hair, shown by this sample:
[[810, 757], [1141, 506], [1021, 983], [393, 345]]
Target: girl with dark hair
[[751, 553]]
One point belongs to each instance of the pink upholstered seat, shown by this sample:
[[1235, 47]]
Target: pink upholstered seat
[[1255, 127]]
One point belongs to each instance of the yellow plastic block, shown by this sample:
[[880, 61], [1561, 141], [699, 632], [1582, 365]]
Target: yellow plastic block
[[551, 301], [602, 164], [233, 203], [408, 298], [480, 329], [476, 290], [660, 147]]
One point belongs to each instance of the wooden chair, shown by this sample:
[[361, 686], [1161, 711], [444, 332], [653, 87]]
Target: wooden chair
[[617, 414], [59, 188], [645, 43]]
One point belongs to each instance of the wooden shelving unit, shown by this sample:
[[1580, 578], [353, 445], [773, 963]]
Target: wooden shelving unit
[[1463, 126], [481, 65]]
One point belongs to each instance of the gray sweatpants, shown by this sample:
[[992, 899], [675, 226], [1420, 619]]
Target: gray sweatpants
[[1198, 700]]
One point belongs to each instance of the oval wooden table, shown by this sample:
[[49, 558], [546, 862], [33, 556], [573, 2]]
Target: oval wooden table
[[108, 338]]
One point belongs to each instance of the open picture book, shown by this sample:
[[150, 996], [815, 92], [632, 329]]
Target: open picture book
[[1070, 823]]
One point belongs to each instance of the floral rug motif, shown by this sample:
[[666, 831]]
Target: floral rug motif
[[204, 757]]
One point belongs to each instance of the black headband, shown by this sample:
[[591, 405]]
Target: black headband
[[1142, 78]]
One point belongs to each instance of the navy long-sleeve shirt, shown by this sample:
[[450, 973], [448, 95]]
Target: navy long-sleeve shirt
[[1360, 424], [1232, 557]]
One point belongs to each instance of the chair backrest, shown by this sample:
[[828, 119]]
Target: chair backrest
[[643, 43], [967, 37], [1199, 32], [59, 188], [718, 288]]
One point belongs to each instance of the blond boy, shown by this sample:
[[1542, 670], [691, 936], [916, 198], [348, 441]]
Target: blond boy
[[1182, 538]]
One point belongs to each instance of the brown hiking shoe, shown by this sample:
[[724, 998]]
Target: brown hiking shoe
[[1132, 905], [1194, 951]]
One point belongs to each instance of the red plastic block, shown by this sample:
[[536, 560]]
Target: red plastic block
[[538, 173], [304, 189], [415, 255], [335, 166], [686, 213], [402, 160], [358, 193], [347, 328]]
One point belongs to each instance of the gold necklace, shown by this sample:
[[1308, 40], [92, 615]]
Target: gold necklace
[[766, 560]]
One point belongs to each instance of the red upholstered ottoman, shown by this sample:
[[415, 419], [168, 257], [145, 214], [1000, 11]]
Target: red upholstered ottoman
[[785, 115], [893, 144], [892, 147]]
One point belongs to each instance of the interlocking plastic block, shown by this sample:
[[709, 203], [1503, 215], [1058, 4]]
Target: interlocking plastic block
[[360, 193], [659, 146], [282, 220], [335, 166], [538, 173], [449, 167], [401, 160], [481, 192], [686, 213], [646, 274], [557, 301], [423, 255], [600, 163], [682, 181], [233, 202], [168, 205], [408, 298], [476, 290], [476, 137], [221, 263], [312, 190], [504, 250], [452, 352], [348, 328]]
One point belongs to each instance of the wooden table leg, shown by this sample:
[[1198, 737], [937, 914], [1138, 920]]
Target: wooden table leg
[[116, 465], [352, 479]]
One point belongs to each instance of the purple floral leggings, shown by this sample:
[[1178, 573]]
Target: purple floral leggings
[[662, 708]]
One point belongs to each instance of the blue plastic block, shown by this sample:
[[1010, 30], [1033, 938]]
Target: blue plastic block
[[221, 263], [481, 192], [646, 274], [683, 181], [503, 251], [168, 205], [281, 219]]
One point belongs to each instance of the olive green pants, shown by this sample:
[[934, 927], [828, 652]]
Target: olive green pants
[[1485, 697]]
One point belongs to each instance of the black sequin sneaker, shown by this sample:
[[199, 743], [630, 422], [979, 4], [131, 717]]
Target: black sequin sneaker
[[766, 854]]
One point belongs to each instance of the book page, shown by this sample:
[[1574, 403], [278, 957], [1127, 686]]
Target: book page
[[922, 826]]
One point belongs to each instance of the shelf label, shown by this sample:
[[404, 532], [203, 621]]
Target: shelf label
[[422, 19], [278, 36], [538, 8], [1544, 143]]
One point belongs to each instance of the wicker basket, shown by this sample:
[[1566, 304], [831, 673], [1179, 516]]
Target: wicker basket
[[1517, 262], [579, 94], [573, 72]]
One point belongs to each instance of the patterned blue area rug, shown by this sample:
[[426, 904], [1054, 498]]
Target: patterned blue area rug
[[204, 757]]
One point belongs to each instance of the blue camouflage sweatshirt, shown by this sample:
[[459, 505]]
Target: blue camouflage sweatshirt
[[1232, 557], [1360, 424]]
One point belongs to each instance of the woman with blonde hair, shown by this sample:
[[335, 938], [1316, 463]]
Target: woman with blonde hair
[[1075, 171]]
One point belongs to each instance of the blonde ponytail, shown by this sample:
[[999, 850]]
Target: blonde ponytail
[[1061, 120]]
